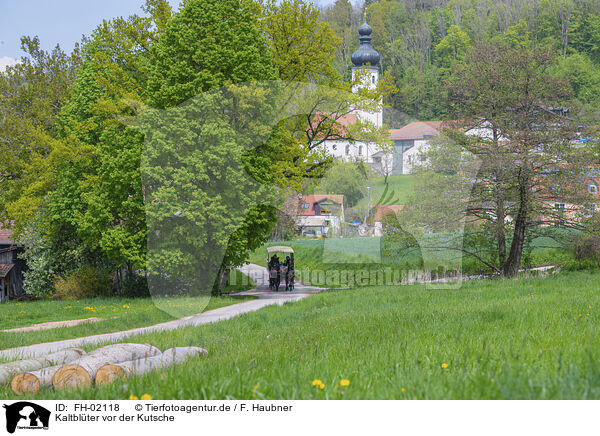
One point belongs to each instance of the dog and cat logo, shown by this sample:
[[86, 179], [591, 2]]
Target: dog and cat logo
[[26, 415]]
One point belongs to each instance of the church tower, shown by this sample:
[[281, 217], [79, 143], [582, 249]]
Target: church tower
[[368, 58]]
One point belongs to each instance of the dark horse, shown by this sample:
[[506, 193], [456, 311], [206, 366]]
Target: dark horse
[[289, 278], [274, 277]]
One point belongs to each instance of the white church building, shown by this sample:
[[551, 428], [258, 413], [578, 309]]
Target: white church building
[[365, 57], [409, 142]]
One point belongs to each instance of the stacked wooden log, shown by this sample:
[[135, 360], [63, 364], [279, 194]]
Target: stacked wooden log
[[9, 370], [81, 374], [74, 369], [113, 371]]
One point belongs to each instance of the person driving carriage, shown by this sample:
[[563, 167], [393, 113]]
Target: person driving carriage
[[280, 268]]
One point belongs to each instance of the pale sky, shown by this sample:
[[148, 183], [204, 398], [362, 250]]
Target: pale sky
[[61, 21]]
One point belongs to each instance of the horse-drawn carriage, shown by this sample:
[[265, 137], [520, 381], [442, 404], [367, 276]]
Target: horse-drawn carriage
[[278, 269]]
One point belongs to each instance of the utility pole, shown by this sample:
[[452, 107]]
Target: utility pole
[[368, 205]]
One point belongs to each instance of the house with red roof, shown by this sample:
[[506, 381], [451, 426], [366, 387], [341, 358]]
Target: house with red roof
[[320, 215], [411, 142]]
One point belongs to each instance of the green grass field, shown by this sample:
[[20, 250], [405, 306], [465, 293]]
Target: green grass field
[[400, 185], [118, 314], [365, 254], [512, 339]]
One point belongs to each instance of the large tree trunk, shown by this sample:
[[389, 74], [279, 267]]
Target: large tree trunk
[[81, 374], [115, 371], [221, 280], [9, 370], [513, 263], [500, 200], [500, 232]]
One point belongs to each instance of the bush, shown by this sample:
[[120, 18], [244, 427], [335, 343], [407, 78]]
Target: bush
[[581, 265], [587, 254], [87, 282], [588, 249], [46, 259], [135, 286]]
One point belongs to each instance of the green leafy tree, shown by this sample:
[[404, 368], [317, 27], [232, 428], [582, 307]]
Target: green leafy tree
[[388, 18], [32, 94], [344, 21], [453, 47], [346, 179], [92, 210], [302, 46], [526, 152], [208, 45]]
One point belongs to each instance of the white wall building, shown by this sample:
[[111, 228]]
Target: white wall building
[[411, 142], [365, 57]]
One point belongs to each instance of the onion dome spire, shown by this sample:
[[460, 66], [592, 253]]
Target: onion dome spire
[[365, 55]]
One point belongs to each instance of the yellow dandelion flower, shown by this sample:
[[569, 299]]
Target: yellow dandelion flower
[[444, 366], [146, 397], [322, 386], [403, 390], [255, 387], [133, 397], [126, 306], [316, 382], [344, 382]]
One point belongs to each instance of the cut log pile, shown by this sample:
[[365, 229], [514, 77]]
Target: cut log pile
[[81, 374], [114, 371], [9, 370], [74, 369]]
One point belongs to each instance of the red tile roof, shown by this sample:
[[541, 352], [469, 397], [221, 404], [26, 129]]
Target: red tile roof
[[341, 122], [417, 130], [312, 199]]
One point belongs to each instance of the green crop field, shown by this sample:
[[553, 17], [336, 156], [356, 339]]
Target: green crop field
[[512, 339]]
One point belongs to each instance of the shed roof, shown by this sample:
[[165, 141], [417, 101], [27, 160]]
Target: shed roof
[[5, 269]]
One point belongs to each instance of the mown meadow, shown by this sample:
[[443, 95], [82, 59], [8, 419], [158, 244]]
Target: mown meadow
[[529, 338]]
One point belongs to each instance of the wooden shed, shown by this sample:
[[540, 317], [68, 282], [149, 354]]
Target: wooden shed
[[11, 267]]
